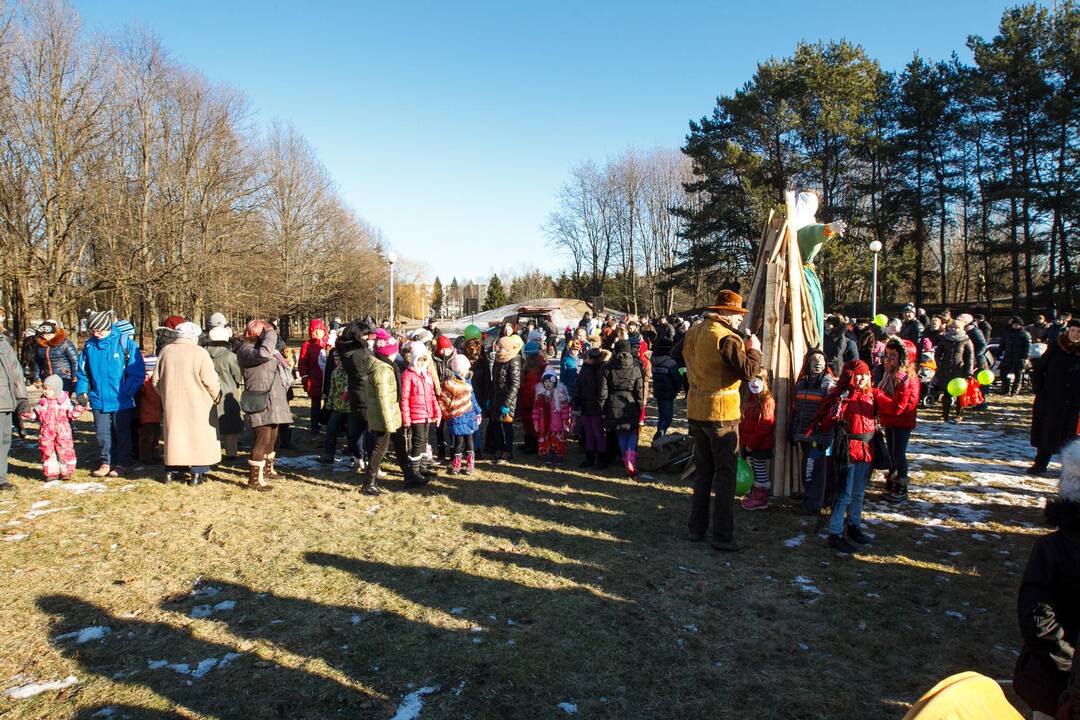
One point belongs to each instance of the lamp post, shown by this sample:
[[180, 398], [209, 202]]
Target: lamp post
[[392, 258], [875, 247]]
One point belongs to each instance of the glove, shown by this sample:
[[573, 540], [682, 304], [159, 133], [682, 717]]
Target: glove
[[22, 406], [838, 227], [82, 399], [504, 410]]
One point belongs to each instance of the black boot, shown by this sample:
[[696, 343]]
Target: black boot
[[196, 478], [413, 476], [590, 460], [371, 480], [170, 476]]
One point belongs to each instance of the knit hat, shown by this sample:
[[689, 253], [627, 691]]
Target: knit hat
[[443, 343], [126, 328], [421, 336], [385, 344], [216, 320], [858, 367], [536, 336], [460, 364], [621, 346], [150, 361], [1069, 484], [531, 348], [220, 334], [173, 320], [99, 320], [55, 382], [908, 308], [189, 331]]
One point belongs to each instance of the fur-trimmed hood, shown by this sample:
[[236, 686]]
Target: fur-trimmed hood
[[57, 339]]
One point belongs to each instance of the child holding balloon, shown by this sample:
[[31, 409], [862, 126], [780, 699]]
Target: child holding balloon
[[756, 429]]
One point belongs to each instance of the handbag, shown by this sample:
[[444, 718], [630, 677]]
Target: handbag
[[880, 449], [254, 401]]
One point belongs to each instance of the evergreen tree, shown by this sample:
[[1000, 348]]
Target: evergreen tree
[[436, 297], [455, 295], [496, 296]]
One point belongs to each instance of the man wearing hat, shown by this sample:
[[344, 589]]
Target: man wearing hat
[[12, 401], [717, 361], [1015, 352], [110, 372]]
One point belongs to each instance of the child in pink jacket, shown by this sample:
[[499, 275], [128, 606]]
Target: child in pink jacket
[[551, 418], [55, 411], [420, 412]]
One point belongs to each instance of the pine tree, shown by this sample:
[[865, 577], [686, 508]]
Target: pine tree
[[436, 297], [455, 296], [496, 296]]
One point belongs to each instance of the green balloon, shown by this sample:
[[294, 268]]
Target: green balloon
[[957, 387], [881, 320], [744, 477], [985, 377], [473, 333]]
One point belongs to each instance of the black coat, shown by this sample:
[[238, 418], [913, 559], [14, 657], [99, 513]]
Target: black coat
[[978, 343], [955, 357], [505, 383], [1056, 379], [666, 381], [587, 390], [481, 381], [1015, 348], [839, 349], [911, 330], [354, 354], [622, 392], [1048, 609]]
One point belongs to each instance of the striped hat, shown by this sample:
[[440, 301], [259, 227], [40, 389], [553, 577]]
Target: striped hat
[[150, 361], [99, 320], [126, 328]]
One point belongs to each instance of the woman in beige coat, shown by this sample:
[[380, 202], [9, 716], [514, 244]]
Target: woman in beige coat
[[188, 384]]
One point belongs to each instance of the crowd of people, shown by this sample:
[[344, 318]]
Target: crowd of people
[[442, 403]]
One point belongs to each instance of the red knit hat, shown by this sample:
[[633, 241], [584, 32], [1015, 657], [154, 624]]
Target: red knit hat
[[172, 321], [859, 367], [443, 343]]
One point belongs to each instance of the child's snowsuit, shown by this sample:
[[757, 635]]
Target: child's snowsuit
[[551, 419], [54, 437]]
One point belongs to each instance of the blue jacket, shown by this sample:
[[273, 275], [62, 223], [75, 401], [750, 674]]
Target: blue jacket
[[56, 357], [665, 377], [468, 422], [110, 371], [568, 370]]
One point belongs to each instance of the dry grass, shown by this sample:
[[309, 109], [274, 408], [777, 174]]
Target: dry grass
[[511, 591]]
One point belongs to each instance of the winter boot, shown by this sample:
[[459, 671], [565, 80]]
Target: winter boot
[[590, 460], [255, 476], [371, 482], [196, 478], [630, 460], [470, 464], [899, 491], [170, 476], [455, 468], [428, 468], [841, 545], [758, 499], [271, 474], [856, 535], [413, 476]]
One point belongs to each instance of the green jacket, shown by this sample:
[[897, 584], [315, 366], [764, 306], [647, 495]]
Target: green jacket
[[383, 396]]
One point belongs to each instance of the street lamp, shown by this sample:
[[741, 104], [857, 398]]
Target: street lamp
[[392, 258], [875, 247]]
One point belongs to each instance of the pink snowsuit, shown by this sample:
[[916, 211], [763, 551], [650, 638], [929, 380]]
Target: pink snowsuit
[[54, 435]]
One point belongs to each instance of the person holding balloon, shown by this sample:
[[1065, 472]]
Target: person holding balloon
[[955, 357]]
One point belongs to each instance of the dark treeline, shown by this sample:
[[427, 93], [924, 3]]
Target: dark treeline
[[967, 173]]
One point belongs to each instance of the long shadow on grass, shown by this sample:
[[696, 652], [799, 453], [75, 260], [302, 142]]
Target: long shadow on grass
[[246, 687]]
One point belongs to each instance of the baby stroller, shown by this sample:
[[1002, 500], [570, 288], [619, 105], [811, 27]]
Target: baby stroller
[[929, 393]]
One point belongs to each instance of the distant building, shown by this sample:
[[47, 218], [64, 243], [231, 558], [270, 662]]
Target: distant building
[[472, 297]]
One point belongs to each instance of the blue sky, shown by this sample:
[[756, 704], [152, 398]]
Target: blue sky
[[451, 126]]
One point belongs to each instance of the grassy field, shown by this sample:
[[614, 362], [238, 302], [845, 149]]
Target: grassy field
[[520, 592]]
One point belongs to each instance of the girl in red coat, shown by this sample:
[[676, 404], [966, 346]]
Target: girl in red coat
[[897, 379], [853, 407], [312, 361], [756, 435], [551, 418], [535, 367], [55, 411]]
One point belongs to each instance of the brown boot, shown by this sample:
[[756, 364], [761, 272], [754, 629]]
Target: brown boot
[[271, 474], [255, 476]]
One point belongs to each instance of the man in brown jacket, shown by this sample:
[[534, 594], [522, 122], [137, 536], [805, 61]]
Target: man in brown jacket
[[717, 361]]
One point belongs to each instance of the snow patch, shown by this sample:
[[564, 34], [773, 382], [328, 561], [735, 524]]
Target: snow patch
[[201, 611], [21, 692], [77, 488], [410, 706], [94, 632], [806, 585], [16, 537], [954, 614], [795, 541], [568, 708]]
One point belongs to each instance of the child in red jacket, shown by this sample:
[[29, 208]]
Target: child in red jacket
[[420, 411], [756, 435], [551, 418], [897, 379], [535, 366], [312, 363], [853, 405]]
